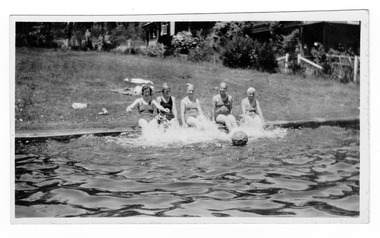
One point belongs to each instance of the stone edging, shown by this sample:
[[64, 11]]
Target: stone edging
[[74, 133], [343, 122]]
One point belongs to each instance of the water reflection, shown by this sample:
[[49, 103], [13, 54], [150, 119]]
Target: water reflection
[[305, 173]]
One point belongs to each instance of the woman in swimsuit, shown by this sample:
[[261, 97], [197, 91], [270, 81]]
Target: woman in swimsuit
[[191, 112], [146, 105], [251, 109], [222, 108], [168, 101]]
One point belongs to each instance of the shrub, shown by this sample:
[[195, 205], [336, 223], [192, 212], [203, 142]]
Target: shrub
[[35, 34], [297, 69], [204, 52], [276, 38], [135, 50], [263, 57], [320, 57], [237, 52], [291, 42], [331, 66], [169, 51], [154, 50], [183, 41], [118, 35], [108, 46]]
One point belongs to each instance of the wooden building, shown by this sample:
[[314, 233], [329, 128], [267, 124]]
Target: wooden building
[[162, 32], [332, 35]]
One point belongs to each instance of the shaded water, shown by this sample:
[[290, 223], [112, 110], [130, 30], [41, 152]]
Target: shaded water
[[299, 173]]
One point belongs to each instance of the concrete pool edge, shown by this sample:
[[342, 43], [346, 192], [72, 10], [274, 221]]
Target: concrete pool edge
[[73, 133], [316, 122]]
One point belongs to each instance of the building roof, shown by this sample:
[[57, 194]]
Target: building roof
[[264, 26]]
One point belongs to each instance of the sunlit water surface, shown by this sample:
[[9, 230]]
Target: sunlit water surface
[[189, 173]]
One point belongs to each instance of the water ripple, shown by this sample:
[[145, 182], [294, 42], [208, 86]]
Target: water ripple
[[307, 173]]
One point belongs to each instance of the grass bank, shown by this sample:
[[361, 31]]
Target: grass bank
[[48, 82]]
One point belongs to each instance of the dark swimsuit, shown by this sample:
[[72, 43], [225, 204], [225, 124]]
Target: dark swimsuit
[[146, 111], [223, 106], [168, 105]]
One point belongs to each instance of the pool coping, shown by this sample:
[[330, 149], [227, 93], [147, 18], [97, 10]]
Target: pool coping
[[74, 133]]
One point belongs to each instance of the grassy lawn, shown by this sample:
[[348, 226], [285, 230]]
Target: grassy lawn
[[48, 82]]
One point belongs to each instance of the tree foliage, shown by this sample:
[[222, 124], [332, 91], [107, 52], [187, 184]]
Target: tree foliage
[[183, 41], [52, 34], [240, 49]]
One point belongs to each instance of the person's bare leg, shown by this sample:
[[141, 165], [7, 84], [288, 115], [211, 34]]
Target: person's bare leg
[[142, 122]]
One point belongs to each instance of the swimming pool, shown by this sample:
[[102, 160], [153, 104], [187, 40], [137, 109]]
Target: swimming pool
[[291, 173]]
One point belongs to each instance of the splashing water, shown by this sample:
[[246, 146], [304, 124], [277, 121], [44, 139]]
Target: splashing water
[[154, 135], [255, 129]]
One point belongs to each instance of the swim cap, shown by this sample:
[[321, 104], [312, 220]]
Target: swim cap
[[165, 86], [223, 84], [251, 90], [189, 85], [145, 87]]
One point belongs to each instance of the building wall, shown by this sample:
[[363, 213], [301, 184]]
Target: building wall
[[161, 32], [343, 37], [337, 36]]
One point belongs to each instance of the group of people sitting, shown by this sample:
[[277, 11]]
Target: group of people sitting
[[191, 111]]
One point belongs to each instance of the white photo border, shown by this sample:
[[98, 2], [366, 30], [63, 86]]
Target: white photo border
[[339, 15]]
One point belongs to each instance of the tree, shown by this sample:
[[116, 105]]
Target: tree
[[35, 34]]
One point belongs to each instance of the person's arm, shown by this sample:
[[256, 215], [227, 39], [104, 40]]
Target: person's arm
[[130, 107], [159, 107], [199, 107], [158, 100], [231, 103], [213, 108], [183, 113], [243, 106], [174, 108], [260, 112]]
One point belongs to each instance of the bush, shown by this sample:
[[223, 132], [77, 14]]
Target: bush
[[297, 69], [134, 50], [118, 35], [243, 52], [204, 52], [331, 66], [183, 41], [169, 51], [263, 57], [35, 34], [108, 46], [237, 52], [154, 50], [290, 43], [320, 57]]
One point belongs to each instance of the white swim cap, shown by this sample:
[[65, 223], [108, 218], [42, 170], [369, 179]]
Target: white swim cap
[[251, 90], [189, 85], [165, 86]]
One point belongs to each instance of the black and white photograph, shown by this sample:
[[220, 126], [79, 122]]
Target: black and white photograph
[[190, 118]]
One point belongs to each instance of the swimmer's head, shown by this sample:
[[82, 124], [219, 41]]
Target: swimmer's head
[[189, 88], [165, 88], [190, 85], [251, 91], [146, 87], [222, 88]]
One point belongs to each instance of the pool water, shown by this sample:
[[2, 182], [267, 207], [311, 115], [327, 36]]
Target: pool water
[[289, 173]]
